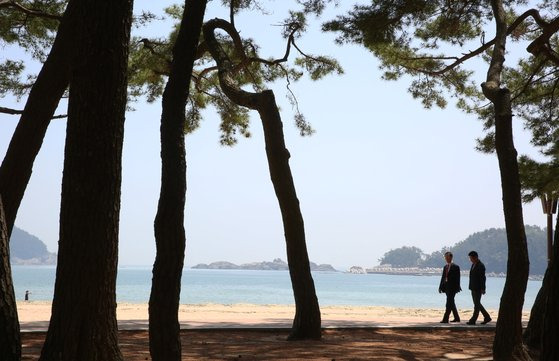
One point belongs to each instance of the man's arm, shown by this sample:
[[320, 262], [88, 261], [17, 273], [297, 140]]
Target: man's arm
[[482, 278], [441, 283], [458, 278]]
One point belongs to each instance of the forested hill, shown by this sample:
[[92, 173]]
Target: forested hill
[[25, 248], [490, 244]]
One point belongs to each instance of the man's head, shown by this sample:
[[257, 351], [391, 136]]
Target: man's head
[[448, 257], [473, 256]]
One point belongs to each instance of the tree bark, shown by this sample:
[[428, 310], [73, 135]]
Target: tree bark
[[164, 328], [507, 344], [550, 332], [83, 322], [41, 104], [10, 340], [307, 322], [17, 166], [534, 331]]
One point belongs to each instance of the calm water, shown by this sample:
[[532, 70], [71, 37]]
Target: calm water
[[273, 287]]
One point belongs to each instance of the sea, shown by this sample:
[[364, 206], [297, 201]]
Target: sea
[[274, 287]]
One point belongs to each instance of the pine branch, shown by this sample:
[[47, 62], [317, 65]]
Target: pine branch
[[232, 13], [10, 111], [529, 81], [541, 44], [19, 112], [38, 13], [459, 60], [148, 44]]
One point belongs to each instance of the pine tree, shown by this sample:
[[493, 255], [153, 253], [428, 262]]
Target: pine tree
[[83, 322], [170, 240], [408, 38]]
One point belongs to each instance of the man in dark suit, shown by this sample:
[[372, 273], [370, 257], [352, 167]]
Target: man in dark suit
[[477, 286], [450, 285]]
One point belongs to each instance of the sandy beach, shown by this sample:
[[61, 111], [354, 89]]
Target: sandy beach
[[259, 332], [35, 315]]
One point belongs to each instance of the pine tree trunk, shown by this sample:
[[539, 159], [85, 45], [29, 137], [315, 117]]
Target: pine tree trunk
[[307, 322], [508, 343], [533, 333], [41, 104], [164, 328], [17, 166], [550, 332], [534, 330], [10, 341], [83, 322]]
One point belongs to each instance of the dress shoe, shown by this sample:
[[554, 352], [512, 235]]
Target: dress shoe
[[470, 322], [444, 321], [455, 320], [485, 321]]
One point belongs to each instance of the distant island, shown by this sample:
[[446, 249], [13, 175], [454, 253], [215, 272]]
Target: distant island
[[491, 244], [27, 249], [276, 265]]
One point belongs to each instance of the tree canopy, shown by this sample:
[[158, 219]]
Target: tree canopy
[[149, 66], [403, 257], [31, 26]]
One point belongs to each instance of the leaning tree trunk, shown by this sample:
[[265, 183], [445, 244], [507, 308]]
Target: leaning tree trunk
[[164, 328], [508, 344], [83, 322], [17, 165], [10, 341], [550, 332], [41, 104], [307, 323], [533, 332]]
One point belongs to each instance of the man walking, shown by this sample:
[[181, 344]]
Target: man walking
[[450, 285], [477, 286]]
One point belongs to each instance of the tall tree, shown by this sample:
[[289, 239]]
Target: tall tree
[[508, 342], [539, 179], [306, 324], [31, 29], [170, 239], [543, 179], [550, 332], [538, 104], [534, 332], [406, 36], [10, 340], [83, 321], [44, 95]]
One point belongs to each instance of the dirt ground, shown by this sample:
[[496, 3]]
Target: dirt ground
[[337, 344]]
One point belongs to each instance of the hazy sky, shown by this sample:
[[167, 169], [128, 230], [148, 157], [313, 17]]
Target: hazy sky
[[379, 173]]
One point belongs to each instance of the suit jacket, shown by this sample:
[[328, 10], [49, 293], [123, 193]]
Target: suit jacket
[[477, 277], [450, 283]]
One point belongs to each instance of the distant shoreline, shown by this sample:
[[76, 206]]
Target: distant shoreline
[[394, 271], [416, 271], [276, 265]]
